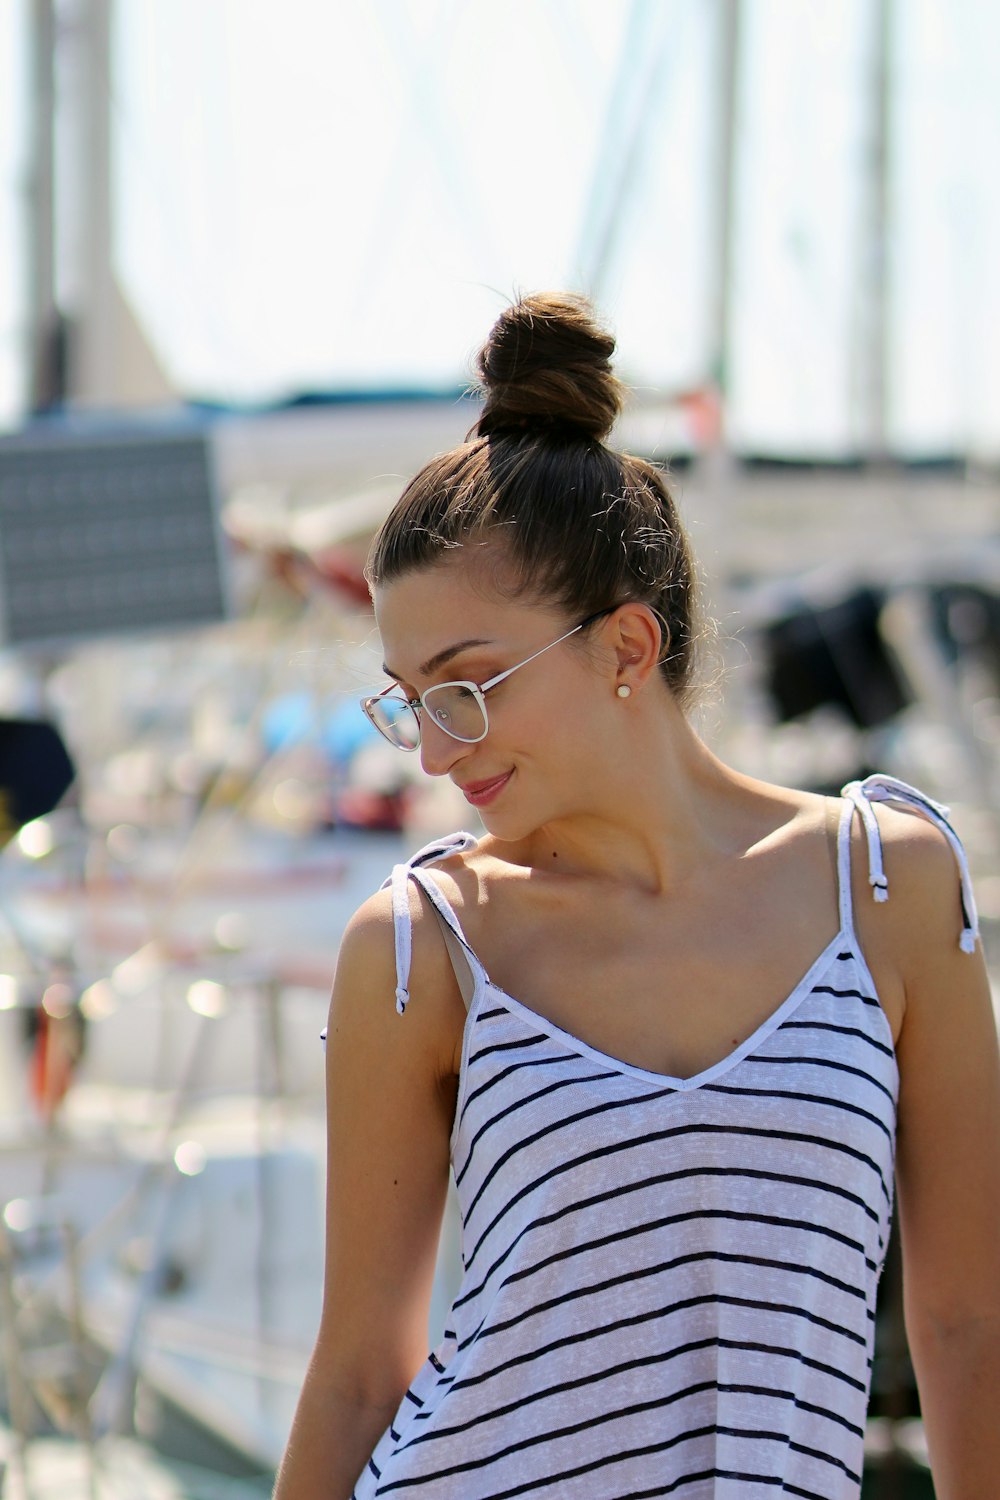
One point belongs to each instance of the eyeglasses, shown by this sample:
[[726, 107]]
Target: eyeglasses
[[459, 708]]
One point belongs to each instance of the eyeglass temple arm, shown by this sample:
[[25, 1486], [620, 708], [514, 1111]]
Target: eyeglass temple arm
[[485, 686], [384, 692]]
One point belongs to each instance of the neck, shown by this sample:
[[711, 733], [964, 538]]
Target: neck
[[665, 807]]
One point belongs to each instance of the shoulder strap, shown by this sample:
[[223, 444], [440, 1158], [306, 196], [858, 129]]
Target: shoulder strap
[[844, 865], [880, 788], [399, 881]]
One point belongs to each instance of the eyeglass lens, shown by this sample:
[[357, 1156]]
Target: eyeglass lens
[[452, 707], [396, 720], [455, 710]]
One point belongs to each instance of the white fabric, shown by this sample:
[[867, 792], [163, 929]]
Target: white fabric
[[880, 788], [668, 1283]]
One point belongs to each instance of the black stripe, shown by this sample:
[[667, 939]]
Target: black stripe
[[640, 1273], [431, 1435], [543, 1481], [828, 1062], [487, 1015], [528, 1356], [620, 1189], [696, 1477], [828, 989], [705, 1343], [655, 1403], [635, 1230], [844, 1030], [668, 1133], [429, 855], [432, 1357], [644, 1451], [527, 1041], [549, 1088], [548, 1479], [819, 1411], [826, 1458], [636, 1320], [537, 1135], [530, 1062], [854, 1109]]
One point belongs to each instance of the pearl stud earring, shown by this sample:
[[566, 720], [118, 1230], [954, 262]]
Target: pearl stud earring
[[624, 691]]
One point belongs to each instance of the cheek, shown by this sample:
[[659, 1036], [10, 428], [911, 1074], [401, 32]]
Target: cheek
[[558, 716], [569, 726]]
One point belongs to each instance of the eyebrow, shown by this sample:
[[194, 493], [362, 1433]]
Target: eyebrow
[[434, 662]]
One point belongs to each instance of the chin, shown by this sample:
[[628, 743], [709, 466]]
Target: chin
[[513, 825]]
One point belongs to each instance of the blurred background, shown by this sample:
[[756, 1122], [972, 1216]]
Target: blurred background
[[247, 254]]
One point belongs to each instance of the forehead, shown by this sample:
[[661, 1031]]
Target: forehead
[[428, 597], [429, 610]]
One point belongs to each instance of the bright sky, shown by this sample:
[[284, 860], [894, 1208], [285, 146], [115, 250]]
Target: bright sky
[[330, 195]]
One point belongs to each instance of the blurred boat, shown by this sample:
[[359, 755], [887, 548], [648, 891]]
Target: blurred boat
[[184, 1161], [167, 941]]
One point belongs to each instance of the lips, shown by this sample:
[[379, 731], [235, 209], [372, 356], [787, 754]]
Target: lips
[[481, 792]]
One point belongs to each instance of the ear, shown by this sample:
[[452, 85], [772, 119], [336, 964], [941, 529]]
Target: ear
[[635, 638]]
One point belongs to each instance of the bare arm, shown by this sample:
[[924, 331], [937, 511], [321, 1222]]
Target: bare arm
[[948, 1167], [390, 1103]]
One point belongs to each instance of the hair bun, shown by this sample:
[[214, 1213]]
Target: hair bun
[[546, 367]]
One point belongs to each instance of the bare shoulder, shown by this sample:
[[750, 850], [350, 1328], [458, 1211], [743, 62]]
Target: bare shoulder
[[472, 879], [390, 1099], [911, 940], [363, 1003], [923, 912], [949, 1098], [367, 949]]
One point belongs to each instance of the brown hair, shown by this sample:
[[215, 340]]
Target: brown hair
[[576, 522]]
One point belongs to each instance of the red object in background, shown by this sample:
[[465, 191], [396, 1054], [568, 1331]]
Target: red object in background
[[703, 409], [56, 1042], [340, 568], [377, 812]]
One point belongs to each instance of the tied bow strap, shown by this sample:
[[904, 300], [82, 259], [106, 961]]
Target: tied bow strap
[[879, 788]]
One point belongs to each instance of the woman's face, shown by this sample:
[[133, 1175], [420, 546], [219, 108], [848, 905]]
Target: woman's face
[[541, 758]]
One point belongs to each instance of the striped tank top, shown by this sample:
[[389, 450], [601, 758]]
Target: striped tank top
[[668, 1283]]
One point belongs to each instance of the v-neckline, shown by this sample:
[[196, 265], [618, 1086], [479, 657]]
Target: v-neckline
[[840, 941]]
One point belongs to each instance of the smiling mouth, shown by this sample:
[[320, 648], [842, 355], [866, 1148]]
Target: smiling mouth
[[478, 792]]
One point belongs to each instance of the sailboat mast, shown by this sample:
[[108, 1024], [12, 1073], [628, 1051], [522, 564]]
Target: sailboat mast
[[45, 376], [725, 180], [876, 334]]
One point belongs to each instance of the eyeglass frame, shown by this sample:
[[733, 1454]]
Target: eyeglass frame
[[477, 689]]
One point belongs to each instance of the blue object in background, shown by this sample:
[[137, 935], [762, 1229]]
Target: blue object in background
[[295, 718]]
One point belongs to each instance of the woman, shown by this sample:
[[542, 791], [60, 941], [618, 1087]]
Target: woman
[[653, 1019]]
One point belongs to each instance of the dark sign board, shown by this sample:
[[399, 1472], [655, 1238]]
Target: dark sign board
[[107, 533]]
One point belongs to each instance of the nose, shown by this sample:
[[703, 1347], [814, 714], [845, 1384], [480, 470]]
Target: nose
[[439, 751]]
